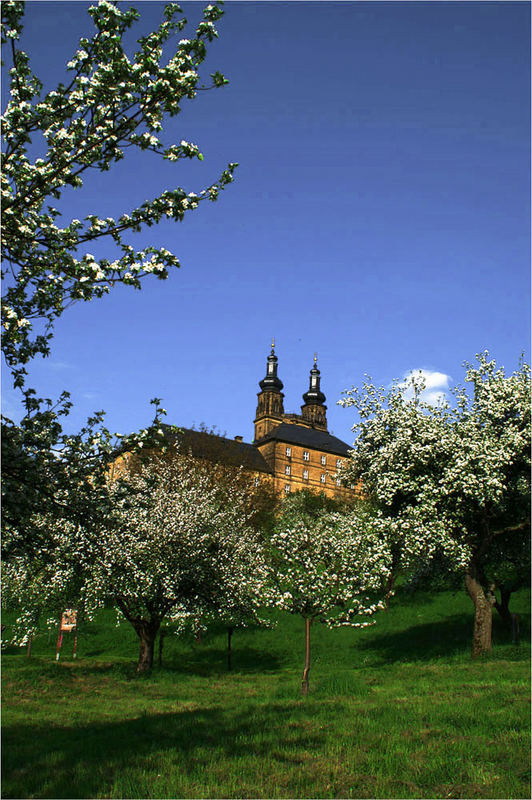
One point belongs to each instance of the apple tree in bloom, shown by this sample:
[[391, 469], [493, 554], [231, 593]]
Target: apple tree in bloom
[[451, 483], [109, 102], [112, 102], [178, 540], [331, 567]]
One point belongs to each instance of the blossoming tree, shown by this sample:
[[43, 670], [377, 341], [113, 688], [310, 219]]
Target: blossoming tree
[[449, 482], [328, 566], [178, 539], [110, 103]]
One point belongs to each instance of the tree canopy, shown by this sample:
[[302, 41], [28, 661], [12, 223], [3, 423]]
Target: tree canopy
[[449, 481]]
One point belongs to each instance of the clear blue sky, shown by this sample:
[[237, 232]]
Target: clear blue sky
[[380, 213]]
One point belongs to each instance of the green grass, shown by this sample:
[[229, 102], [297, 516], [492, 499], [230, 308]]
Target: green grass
[[397, 710]]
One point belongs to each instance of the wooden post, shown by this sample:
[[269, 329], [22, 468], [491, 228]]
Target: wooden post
[[515, 629], [304, 683], [59, 643]]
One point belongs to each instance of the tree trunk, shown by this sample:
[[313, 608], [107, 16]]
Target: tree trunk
[[229, 634], [388, 590], [146, 631], [483, 616], [161, 643], [28, 649], [504, 606], [304, 683]]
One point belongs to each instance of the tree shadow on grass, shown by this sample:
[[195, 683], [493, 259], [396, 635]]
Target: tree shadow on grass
[[41, 760], [434, 640]]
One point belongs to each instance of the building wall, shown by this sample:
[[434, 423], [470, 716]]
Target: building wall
[[320, 477]]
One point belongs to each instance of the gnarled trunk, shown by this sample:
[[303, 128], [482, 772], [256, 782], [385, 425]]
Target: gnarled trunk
[[146, 631], [483, 615], [304, 682]]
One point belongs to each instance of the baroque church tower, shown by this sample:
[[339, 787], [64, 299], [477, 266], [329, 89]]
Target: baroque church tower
[[270, 409], [314, 411]]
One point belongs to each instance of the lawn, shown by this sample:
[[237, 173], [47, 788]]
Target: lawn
[[396, 710]]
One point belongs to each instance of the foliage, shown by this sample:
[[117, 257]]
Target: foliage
[[47, 473], [448, 482], [179, 541], [327, 566], [109, 103], [331, 568]]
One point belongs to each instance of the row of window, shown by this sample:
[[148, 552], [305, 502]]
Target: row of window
[[323, 479], [306, 457]]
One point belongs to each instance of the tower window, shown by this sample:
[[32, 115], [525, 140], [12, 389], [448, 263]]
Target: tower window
[[288, 451], [338, 463], [287, 469], [306, 455], [323, 460], [257, 480], [287, 488], [323, 477], [305, 474]]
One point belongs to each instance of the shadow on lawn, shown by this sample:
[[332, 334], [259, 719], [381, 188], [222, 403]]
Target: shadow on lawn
[[434, 640], [84, 760]]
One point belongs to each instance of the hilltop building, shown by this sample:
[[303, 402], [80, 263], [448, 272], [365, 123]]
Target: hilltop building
[[294, 451]]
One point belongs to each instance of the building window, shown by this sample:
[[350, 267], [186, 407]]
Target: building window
[[323, 477], [287, 469], [287, 488], [288, 451], [257, 480], [338, 463], [323, 460], [305, 474], [338, 482], [306, 455]]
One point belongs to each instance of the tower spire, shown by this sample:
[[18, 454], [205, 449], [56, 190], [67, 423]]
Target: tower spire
[[270, 407], [314, 408]]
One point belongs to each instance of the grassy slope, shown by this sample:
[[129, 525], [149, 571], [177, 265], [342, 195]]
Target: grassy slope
[[397, 710]]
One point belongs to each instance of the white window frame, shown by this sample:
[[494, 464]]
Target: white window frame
[[338, 463], [323, 460], [323, 477], [287, 488], [287, 470], [305, 474], [289, 451], [338, 482], [306, 455]]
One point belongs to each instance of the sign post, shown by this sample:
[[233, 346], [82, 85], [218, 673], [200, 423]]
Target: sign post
[[67, 624]]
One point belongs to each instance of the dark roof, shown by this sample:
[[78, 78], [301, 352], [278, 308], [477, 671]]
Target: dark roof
[[307, 437], [219, 449]]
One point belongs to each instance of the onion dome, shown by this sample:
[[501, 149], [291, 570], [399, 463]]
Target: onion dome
[[314, 396], [271, 382]]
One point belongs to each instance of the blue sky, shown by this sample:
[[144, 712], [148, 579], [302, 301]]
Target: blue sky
[[379, 216]]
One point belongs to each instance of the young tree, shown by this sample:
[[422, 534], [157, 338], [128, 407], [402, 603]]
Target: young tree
[[177, 539], [331, 567], [449, 482]]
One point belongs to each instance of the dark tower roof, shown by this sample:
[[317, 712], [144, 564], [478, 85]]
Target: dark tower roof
[[314, 396], [271, 382]]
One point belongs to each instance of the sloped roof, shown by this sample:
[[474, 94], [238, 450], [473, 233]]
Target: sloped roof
[[307, 437], [219, 449]]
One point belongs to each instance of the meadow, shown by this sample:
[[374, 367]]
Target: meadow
[[398, 710]]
